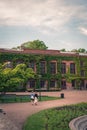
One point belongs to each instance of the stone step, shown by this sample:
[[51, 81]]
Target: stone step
[[79, 123]]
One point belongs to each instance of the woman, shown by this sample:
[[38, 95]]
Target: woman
[[35, 98]]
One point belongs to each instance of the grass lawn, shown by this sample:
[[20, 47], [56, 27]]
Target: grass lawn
[[56, 118]]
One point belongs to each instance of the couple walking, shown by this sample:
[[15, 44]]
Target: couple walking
[[34, 98]]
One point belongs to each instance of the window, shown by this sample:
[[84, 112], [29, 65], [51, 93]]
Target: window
[[8, 64], [42, 67], [53, 68], [73, 83], [32, 83], [82, 84], [42, 83], [63, 68], [19, 62], [81, 63], [63, 84], [32, 65], [82, 73], [72, 68], [52, 84]]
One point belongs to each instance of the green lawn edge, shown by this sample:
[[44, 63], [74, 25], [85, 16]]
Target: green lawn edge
[[57, 118]]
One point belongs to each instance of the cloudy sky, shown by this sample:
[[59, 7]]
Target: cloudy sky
[[59, 23]]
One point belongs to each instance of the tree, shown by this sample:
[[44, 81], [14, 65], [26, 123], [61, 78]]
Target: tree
[[16, 78], [63, 50], [81, 50], [74, 50], [36, 44]]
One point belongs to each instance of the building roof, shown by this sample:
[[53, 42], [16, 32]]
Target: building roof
[[43, 52]]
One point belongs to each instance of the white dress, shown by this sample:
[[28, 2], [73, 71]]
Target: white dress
[[35, 100]]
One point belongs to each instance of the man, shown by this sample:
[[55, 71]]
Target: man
[[32, 97]]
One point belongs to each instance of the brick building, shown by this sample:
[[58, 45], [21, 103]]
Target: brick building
[[56, 70]]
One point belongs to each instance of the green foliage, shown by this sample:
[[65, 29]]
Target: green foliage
[[80, 50], [36, 44], [56, 118], [13, 79], [27, 58], [63, 50]]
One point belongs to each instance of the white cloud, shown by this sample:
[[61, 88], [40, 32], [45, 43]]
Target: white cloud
[[47, 16], [83, 30], [40, 13]]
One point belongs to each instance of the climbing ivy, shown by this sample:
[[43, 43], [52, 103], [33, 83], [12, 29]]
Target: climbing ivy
[[26, 58]]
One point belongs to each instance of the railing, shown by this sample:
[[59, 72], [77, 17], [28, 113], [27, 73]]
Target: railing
[[14, 98]]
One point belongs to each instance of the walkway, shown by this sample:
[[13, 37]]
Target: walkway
[[18, 112]]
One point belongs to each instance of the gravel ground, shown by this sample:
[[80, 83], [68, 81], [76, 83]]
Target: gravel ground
[[17, 113], [6, 123]]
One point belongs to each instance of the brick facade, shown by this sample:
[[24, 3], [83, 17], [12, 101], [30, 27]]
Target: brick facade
[[52, 82]]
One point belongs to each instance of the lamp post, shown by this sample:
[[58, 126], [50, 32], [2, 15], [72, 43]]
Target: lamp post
[[39, 88]]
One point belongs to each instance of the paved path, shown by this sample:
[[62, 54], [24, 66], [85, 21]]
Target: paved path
[[18, 112]]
